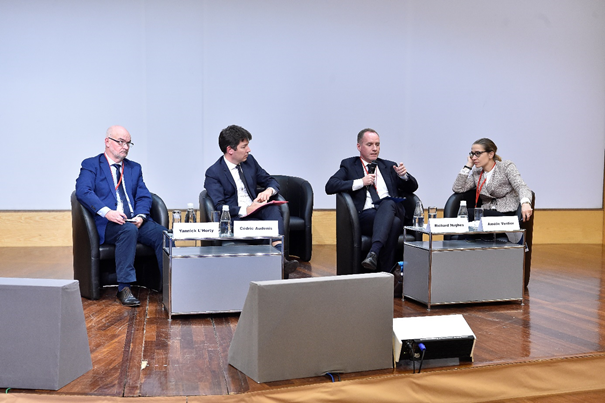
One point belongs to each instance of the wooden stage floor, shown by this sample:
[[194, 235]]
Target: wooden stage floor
[[138, 352]]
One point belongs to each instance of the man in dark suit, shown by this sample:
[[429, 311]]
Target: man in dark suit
[[369, 179], [234, 178], [112, 188]]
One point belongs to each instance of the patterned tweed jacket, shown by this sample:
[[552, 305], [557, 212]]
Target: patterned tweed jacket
[[504, 190]]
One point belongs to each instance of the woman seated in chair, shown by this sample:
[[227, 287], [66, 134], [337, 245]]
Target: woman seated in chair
[[498, 183]]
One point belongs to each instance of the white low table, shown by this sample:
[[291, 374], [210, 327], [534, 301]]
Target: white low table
[[213, 279], [462, 271]]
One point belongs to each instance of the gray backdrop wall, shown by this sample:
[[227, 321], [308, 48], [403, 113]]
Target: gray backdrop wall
[[431, 76]]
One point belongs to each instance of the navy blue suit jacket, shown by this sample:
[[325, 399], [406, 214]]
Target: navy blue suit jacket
[[221, 187], [95, 189], [351, 169]]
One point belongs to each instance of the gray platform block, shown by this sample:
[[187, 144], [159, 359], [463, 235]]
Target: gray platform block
[[307, 327], [43, 339]]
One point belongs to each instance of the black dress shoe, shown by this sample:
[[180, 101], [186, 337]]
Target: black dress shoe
[[370, 262], [126, 298], [290, 267]]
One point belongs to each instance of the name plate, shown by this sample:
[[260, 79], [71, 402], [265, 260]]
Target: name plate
[[246, 228], [500, 223], [437, 225], [195, 230]]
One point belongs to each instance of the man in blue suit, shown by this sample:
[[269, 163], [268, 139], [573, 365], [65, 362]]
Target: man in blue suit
[[112, 188], [369, 179], [234, 178]]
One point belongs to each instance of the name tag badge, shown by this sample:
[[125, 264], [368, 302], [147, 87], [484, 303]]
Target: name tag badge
[[438, 225], [499, 223], [195, 230], [249, 228]]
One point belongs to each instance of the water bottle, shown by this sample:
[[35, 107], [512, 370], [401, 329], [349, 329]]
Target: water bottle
[[419, 215], [190, 216], [225, 223], [176, 217], [463, 211]]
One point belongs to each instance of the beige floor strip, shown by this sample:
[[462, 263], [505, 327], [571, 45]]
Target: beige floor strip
[[468, 385]]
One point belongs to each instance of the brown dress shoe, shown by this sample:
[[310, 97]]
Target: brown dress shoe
[[127, 299]]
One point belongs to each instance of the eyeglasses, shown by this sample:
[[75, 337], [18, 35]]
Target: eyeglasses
[[122, 143], [476, 153]]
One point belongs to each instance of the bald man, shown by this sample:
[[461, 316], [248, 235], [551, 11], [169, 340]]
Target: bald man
[[112, 188]]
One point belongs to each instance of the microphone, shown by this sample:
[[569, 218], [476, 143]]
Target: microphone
[[371, 170]]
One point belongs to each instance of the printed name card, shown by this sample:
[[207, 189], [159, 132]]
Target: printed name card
[[195, 230], [500, 223], [437, 225], [247, 228]]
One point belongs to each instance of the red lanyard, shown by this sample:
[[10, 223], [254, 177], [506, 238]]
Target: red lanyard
[[365, 168], [480, 185], [121, 174]]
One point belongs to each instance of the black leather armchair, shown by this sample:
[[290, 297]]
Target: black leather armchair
[[299, 194], [351, 246], [453, 204], [94, 264], [206, 208]]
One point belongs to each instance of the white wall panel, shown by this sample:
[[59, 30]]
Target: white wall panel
[[304, 77]]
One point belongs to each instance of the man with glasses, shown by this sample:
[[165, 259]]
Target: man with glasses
[[112, 188]]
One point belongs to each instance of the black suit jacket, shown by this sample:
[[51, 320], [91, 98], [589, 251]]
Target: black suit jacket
[[351, 169], [221, 187]]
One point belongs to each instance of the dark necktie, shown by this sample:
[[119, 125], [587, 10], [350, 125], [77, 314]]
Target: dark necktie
[[372, 188], [243, 178], [121, 192]]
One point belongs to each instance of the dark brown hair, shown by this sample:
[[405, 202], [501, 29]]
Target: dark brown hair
[[489, 146], [231, 136]]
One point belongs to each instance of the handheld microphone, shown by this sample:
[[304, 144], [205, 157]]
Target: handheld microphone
[[371, 170]]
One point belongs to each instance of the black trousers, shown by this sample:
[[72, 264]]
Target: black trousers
[[384, 224]]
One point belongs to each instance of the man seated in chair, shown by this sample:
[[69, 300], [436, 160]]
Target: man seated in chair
[[233, 179], [369, 179], [112, 188]]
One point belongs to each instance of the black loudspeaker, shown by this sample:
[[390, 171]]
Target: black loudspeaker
[[309, 327]]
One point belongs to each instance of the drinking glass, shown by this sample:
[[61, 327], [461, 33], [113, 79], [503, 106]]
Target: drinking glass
[[478, 213], [432, 212]]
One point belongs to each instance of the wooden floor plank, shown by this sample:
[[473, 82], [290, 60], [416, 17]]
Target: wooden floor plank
[[139, 352]]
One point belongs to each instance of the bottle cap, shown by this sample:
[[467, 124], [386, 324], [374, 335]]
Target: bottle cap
[[189, 205], [225, 207], [463, 203]]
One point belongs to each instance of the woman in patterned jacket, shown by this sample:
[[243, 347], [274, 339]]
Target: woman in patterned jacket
[[498, 183]]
